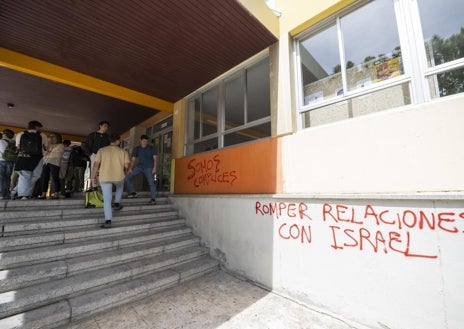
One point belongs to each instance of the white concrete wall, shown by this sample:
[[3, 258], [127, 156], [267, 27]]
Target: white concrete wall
[[393, 277], [405, 150]]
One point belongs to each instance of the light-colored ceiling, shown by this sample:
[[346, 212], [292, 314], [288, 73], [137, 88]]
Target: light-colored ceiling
[[162, 49]]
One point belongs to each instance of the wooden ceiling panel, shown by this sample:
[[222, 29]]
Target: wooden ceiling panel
[[164, 48]]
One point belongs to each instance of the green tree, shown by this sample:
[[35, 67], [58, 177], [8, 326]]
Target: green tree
[[446, 50]]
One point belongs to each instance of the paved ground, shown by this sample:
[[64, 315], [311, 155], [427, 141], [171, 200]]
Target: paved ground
[[217, 300]]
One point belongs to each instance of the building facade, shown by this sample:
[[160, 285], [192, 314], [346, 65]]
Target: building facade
[[329, 167]]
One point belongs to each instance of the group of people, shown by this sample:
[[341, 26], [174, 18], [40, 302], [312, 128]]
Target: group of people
[[40, 157], [112, 166], [28, 160]]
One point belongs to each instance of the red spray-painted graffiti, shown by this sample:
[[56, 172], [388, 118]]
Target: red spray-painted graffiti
[[208, 171], [378, 229]]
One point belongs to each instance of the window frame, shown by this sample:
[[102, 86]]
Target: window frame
[[220, 83], [416, 71]]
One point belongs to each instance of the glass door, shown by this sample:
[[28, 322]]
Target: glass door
[[163, 143]]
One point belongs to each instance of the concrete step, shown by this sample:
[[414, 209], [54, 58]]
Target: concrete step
[[112, 241], [96, 284], [51, 225], [58, 266], [75, 200], [64, 208], [30, 274], [78, 307]]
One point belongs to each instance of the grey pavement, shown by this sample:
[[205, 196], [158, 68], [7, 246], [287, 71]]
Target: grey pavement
[[216, 300]]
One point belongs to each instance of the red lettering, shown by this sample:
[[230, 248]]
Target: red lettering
[[334, 244], [348, 233], [191, 168], [282, 207], [326, 211], [364, 234], [423, 219], [280, 232], [291, 210], [369, 211], [295, 232], [302, 207], [413, 217], [383, 220], [233, 174], [395, 237], [258, 208], [341, 210], [442, 219], [216, 159], [409, 254]]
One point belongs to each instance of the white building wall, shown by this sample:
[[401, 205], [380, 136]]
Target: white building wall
[[412, 149], [394, 276]]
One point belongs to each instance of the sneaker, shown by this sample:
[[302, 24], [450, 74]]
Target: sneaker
[[132, 195], [107, 224], [152, 201], [117, 206], [24, 198]]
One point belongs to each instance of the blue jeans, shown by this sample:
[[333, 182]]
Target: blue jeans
[[148, 175], [6, 168], [27, 180], [107, 191]]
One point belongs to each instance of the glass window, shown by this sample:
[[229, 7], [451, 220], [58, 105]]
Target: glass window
[[320, 66], [244, 105], [443, 29], [371, 44], [248, 135], [353, 63], [235, 102], [258, 91], [209, 112], [447, 83]]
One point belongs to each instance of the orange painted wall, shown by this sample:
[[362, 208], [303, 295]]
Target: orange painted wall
[[246, 169]]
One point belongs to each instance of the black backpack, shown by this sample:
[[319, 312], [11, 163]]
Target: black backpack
[[31, 143]]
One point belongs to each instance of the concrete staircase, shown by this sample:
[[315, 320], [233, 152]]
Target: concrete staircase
[[58, 266]]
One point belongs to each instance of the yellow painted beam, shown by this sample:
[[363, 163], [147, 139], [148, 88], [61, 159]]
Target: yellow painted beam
[[72, 138], [33, 66], [322, 15], [264, 14]]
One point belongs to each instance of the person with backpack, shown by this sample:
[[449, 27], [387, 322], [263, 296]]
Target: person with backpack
[[8, 155], [31, 144], [95, 141]]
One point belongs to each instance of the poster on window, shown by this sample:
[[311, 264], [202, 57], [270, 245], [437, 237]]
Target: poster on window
[[387, 69]]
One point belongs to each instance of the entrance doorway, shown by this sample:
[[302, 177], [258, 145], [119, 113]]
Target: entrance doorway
[[161, 139]]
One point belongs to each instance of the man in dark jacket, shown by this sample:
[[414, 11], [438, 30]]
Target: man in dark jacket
[[96, 141]]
